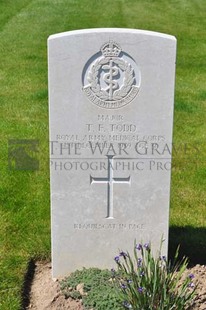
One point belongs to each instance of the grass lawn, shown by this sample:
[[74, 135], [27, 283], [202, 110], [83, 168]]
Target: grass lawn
[[24, 195]]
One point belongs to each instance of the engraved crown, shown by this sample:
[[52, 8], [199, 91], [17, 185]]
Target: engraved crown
[[111, 49]]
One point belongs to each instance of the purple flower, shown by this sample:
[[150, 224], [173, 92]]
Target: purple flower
[[116, 259], [139, 246], [123, 254], [140, 289], [123, 286], [142, 274], [139, 262], [146, 246], [191, 284], [191, 276], [129, 281], [127, 305]]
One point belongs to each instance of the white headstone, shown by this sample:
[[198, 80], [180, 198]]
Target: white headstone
[[111, 94]]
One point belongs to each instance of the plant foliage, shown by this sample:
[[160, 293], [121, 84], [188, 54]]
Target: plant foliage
[[148, 282], [99, 291]]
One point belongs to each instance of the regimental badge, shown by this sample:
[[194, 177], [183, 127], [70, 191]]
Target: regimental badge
[[111, 78]]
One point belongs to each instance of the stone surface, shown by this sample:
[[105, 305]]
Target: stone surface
[[111, 94]]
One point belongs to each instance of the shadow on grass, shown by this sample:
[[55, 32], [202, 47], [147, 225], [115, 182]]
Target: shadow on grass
[[27, 284], [192, 243]]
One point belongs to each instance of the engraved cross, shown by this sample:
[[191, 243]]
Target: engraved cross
[[109, 180]]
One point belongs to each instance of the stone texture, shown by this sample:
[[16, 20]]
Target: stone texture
[[111, 94]]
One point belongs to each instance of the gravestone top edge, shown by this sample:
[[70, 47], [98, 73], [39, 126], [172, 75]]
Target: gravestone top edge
[[111, 30]]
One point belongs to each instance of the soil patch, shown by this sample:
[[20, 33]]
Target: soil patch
[[45, 293]]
